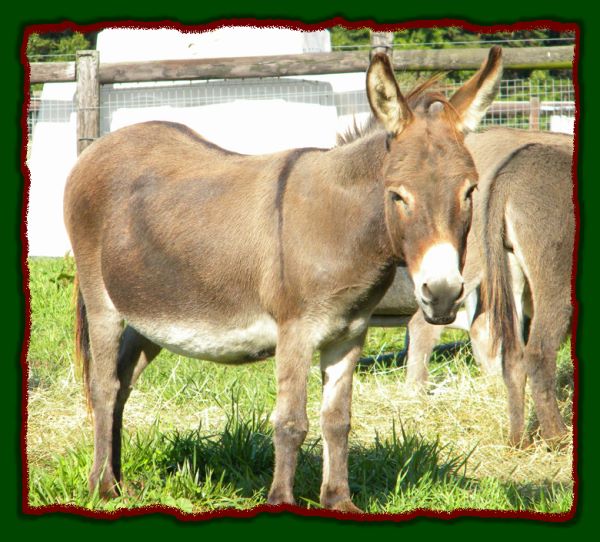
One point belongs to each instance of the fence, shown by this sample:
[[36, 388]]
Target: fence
[[278, 98], [527, 104], [531, 104]]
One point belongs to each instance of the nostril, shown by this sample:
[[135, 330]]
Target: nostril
[[426, 292], [462, 290]]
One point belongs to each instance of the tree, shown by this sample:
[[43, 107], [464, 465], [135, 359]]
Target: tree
[[58, 46]]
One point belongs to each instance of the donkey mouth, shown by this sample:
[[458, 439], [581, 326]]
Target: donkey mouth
[[440, 320], [440, 312]]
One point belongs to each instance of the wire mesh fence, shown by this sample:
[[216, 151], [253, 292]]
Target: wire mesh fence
[[546, 104]]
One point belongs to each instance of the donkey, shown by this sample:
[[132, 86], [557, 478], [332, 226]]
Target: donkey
[[182, 245], [517, 271]]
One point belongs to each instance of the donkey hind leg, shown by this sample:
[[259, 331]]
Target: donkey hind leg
[[513, 367], [290, 422], [423, 338], [118, 357], [105, 330], [515, 377], [337, 367], [135, 353], [548, 329]]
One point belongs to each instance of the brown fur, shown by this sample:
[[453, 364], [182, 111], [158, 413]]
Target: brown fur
[[226, 257]]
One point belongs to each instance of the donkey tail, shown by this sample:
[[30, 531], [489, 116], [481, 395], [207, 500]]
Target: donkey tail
[[496, 287], [82, 342]]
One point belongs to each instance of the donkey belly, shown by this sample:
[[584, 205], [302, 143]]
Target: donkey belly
[[232, 343]]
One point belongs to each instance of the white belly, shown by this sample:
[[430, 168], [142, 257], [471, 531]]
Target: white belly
[[204, 340]]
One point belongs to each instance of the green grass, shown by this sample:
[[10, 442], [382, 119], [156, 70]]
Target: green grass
[[197, 435]]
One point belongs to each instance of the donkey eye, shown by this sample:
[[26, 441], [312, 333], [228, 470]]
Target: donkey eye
[[397, 197], [402, 197], [470, 191]]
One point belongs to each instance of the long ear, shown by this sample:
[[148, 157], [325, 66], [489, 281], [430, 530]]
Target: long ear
[[472, 100], [387, 102]]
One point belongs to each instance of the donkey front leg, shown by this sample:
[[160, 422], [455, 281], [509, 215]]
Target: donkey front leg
[[489, 362], [337, 366], [423, 338], [290, 422]]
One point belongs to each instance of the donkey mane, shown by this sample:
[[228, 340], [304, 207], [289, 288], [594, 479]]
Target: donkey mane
[[419, 97], [356, 131]]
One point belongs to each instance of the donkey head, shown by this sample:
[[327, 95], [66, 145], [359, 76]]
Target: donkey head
[[429, 177]]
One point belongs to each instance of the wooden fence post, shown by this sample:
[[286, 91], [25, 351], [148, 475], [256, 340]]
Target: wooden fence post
[[381, 42], [534, 113], [88, 98]]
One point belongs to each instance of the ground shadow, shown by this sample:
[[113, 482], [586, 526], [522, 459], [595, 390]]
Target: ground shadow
[[398, 359], [379, 471]]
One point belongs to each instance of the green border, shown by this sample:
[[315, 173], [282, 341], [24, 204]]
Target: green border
[[508, 11]]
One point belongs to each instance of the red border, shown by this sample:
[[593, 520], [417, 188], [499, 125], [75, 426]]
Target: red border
[[68, 25]]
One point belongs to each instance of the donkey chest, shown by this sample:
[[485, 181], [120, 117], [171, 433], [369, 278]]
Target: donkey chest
[[233, 343]]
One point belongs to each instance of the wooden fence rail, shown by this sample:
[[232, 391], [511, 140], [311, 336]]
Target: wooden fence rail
[[303, 64]]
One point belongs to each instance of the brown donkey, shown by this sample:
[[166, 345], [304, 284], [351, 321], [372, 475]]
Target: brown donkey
[[519, 256], [180, 244]]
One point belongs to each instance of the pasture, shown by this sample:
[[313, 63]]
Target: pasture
[[197, 435]]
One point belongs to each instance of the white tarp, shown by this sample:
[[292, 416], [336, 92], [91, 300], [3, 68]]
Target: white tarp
[[53, 151], [285, 125], [128, 45], [560, 123]]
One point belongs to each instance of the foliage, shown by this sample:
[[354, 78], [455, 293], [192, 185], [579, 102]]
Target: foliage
[[444, 37], [65, 44], [57, 46], [349, 39]]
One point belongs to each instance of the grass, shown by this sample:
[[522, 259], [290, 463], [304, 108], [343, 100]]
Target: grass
[[197, 435]]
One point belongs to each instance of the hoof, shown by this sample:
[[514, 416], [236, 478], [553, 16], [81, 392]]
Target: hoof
[[417, 385], [347, 506], [107, 489], [276, 498], [520, 442], [559, 441]]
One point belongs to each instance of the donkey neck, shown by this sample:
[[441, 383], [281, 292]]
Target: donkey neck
[[360, 163], [354, 182], [331, 229], [361, 173]]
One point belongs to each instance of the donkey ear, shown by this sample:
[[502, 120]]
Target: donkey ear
[[472, 100], [385, 98]]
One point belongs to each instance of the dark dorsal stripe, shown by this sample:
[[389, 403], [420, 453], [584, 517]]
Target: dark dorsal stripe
[[286, 170]]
